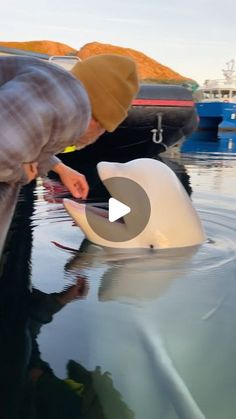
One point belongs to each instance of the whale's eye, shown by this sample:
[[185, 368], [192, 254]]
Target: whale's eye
[[151, 246]]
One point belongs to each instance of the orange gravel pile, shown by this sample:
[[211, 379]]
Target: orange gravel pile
[[149, 69]]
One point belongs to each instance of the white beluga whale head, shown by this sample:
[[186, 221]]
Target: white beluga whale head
[[164, 211]]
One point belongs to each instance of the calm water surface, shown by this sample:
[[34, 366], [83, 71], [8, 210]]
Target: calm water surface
[[154, 332]]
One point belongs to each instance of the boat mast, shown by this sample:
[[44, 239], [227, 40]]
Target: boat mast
[[229, 71]]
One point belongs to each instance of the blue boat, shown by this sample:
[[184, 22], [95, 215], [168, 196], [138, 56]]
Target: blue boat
[[216, 102]]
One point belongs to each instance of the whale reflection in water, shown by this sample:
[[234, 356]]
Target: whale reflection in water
[[137, 280]]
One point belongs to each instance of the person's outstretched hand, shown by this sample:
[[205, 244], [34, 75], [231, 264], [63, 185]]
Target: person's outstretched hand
[[75, 182], [78, 291]]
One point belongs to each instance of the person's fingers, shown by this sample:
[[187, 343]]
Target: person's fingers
[[76, 182], [82, 287], [76, 190], [83, 187]]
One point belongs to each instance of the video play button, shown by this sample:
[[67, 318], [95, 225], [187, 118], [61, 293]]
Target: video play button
[[128, 215], [117, 210]]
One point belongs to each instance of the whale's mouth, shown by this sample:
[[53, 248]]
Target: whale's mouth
[[102, 211], [97, 209]]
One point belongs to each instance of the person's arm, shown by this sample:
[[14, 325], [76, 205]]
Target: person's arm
[[73, 180]]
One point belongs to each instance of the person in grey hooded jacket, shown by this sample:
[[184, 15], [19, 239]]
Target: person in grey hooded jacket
[[44, 109]]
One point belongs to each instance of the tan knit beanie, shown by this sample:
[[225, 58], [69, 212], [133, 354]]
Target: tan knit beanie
[[111, 82]]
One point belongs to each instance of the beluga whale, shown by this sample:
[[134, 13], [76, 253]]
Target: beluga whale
[[161, 212]]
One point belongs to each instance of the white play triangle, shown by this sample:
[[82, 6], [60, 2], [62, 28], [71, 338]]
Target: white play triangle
[[117, 209]]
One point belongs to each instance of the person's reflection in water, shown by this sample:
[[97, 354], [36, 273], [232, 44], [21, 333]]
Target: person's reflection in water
[[29, 389], [46, 395]]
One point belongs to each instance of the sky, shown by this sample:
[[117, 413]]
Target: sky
[[194, 38]]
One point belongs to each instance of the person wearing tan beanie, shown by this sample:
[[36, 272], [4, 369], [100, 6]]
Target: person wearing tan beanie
[[44, 109], [111, 83]]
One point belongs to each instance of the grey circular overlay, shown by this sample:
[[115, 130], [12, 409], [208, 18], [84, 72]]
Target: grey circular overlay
[[128, 227]]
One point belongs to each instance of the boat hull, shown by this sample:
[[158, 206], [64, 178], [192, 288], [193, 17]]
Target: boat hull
[[159, 118], [217, 115]]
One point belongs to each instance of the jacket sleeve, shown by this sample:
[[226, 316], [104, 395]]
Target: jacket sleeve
[[21, 130], [47, 164]]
